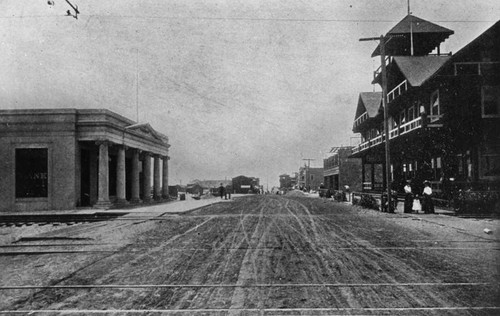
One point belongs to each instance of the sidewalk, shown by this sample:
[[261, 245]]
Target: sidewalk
[[400, 208], [139, 213], [174, 206]]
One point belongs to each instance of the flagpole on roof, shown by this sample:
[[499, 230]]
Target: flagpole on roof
[[411, 29], [137, 84]]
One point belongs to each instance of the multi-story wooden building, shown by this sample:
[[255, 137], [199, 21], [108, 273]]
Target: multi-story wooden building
[[444, 112]]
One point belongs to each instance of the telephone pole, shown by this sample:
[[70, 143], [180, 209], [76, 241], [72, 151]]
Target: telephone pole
[[308, 161], [307, 170], [382, 41]]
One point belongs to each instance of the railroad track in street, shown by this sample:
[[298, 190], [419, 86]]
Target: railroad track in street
[[268, 311], [55, 219]]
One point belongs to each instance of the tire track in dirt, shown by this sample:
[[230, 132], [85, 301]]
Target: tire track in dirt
[[363, 260], [248, 271], [290, 254], [369, 260]]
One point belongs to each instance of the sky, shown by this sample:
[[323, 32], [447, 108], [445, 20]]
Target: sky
[[241, 87]]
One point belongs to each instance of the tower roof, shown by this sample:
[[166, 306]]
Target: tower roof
[[426, 37]]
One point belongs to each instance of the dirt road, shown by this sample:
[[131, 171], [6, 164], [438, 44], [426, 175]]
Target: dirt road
[[263, 255]]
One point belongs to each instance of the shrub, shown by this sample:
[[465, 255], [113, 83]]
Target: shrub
[[477, 202], [339, 196], [355, 200], [368, 201]]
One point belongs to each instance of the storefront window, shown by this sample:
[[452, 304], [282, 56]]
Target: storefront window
[[31, 172]]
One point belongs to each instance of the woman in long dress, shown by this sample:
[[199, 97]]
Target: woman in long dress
[[408, 197], [427, 204]]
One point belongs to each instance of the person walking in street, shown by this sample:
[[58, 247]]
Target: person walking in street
[[408, 197], [427, 203], [221, 191]]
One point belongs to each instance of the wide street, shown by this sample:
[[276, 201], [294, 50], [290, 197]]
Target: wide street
[[257, 255]]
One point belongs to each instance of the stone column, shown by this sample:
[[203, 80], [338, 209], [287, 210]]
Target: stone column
[[103, 177], [146, 177], [157, 179], [165, 178], [135, 177], [120, 176]]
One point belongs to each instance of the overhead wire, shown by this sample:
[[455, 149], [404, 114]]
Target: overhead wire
[[166, 17]]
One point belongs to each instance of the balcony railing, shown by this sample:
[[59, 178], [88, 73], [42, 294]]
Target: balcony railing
[[360, 119], [393, 133], [377, 72], [405, 128], [370, 143], [397, 91]]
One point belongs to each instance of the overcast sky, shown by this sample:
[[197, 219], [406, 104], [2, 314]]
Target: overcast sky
[[241, 87]]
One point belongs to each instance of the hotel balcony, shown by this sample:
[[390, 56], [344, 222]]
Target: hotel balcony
[[397, 91], [360, 120], [432, 122]]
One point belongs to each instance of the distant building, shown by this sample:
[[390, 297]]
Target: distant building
[[340, 170], [65, 158], [285, 181], [210, 184], [243, 185], [294, 179], [194, 188], [310, 178]]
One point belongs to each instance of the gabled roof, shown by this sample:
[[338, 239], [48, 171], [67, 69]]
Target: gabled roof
[[145, 128], [418, 69], [370, 103], [418, 26], [489, 39], [426, 37]]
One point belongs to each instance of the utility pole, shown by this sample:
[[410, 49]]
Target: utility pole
[[308, 161], [307, 170], [382, 42]]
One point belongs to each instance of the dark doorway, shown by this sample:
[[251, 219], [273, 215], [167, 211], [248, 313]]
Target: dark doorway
[[85, 178]]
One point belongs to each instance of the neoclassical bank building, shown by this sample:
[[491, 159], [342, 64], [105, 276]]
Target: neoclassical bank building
[[61, 159]]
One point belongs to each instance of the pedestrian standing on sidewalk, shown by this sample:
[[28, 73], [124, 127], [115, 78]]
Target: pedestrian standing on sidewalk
[[427, 203], [408, 197], [347, 191]]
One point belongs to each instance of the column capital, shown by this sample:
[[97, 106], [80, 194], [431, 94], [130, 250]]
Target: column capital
[[103, 142], [145, 154]]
